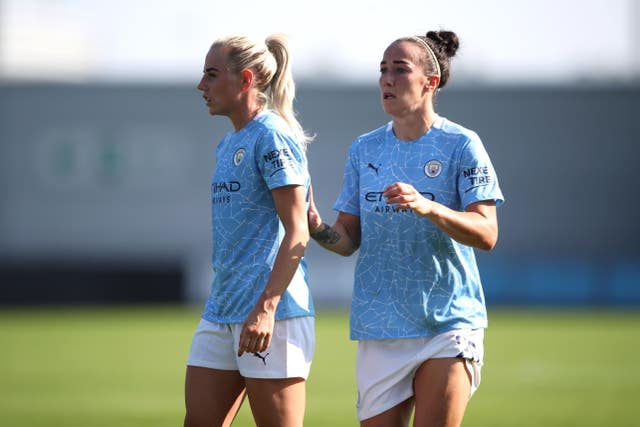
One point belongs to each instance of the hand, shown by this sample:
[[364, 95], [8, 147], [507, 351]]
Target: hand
[[405, 196], [313, 216], [256, 333]]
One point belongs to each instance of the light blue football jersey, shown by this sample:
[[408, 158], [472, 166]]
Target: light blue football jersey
[[412, 279], [247, 231]]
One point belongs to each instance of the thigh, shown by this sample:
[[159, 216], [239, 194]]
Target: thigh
[[212, 396], [277, 402], [442, 387]]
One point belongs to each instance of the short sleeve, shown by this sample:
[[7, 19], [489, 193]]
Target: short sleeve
[[281, 160], [477, 179], [349, 199]]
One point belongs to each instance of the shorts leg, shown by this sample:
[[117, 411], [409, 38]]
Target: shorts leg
[[289, 354], [384, 374], [385, 369], [213, 347]]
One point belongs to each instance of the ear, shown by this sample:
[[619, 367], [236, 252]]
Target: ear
[[432, 83], [246, 80]]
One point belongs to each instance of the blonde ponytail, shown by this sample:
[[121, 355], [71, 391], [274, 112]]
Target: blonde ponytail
[[282, 87], [271, 64]]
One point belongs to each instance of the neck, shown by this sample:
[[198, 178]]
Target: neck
[[243, 115], [410, 128]]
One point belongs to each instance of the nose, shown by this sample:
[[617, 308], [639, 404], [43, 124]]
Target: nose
[[201, 84]]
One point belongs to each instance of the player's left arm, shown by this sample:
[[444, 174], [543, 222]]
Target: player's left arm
[[291, 207], [477, 226]]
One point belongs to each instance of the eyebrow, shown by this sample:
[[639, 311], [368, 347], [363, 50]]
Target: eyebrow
[[396, 62]]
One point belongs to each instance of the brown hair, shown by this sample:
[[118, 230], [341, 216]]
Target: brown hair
[[443, 46]]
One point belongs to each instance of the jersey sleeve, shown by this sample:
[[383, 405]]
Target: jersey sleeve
[[349, 199], [281, 160], [477, 179]]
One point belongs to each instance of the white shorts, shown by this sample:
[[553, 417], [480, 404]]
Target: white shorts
[[385, 369], [215, 346]]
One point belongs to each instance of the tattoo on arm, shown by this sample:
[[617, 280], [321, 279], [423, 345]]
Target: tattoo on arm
[[326, 234]]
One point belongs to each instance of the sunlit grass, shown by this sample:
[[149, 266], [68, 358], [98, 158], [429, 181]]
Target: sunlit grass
[[125, 367]]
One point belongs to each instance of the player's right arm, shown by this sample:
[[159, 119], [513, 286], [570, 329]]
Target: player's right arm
[[343, 237]]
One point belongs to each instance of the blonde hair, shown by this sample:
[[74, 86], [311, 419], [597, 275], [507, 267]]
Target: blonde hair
[[271, 65]]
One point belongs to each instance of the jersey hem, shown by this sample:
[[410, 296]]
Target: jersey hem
[[430, 334], [241, 320]]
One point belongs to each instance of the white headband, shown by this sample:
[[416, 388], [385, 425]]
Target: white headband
[[433, 55]]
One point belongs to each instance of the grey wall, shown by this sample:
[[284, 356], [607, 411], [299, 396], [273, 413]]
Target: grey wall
[[117, 177]]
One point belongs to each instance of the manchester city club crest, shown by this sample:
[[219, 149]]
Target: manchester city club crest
[[433, 168], [237, 158]]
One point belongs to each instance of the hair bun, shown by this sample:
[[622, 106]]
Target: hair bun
[[446, 41]]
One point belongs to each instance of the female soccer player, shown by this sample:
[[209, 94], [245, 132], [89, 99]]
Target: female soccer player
[[256, 335], [419, 194]]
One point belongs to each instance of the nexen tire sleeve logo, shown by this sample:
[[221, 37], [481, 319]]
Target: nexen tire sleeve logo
[[477, 177], [278, 159]]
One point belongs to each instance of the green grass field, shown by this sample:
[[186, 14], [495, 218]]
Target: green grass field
[[125, 367]]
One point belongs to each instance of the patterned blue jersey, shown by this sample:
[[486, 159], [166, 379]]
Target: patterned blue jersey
[[412, 279], [247, 231]]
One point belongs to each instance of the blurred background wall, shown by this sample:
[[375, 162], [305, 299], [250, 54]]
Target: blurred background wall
[[106, 148]]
